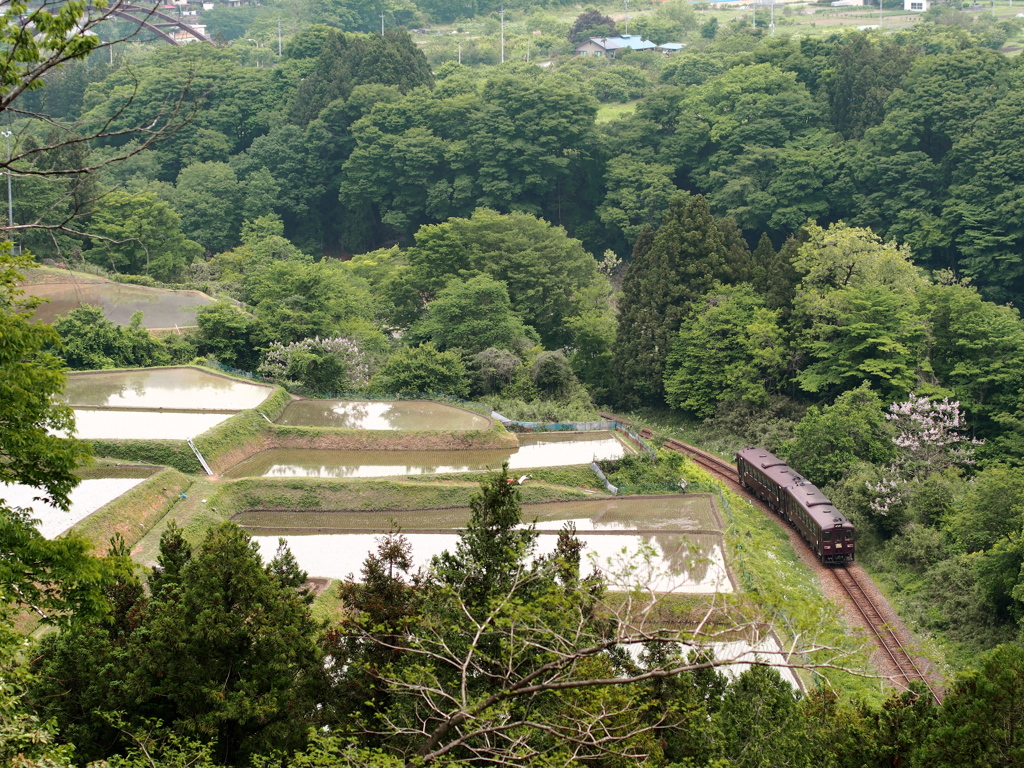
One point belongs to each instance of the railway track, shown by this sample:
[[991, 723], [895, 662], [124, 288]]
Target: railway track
[[887, 639], [707, 460], [846, 578]]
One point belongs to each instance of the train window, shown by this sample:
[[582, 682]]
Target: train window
[[827, 536], [849, 535]]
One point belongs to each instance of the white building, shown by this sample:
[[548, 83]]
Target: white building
[[917, 6]]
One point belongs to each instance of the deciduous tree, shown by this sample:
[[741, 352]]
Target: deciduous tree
[[728, 348]]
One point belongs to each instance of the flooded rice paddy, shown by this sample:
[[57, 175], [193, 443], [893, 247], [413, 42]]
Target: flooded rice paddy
[[143, 425], [187, 389], [670, 543], [400, 415], [692, 563], [552, 450], [689, 512], [86, 498], [161, 308]]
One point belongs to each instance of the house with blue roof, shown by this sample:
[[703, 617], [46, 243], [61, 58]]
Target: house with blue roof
[[608, 46]]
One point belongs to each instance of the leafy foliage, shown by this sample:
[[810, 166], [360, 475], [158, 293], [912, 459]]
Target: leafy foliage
[[422, 369], [728, 348]]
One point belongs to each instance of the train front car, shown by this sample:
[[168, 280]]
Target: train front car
[[766, 476], [824, 527]]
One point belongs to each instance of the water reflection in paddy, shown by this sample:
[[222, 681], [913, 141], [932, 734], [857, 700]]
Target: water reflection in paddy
[[404, 414], [143, 425], [649, 514], [86, 498], [676, 562], [185, 388], [555, 450]]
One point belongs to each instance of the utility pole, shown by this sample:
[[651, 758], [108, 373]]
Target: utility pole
[[627, 18], [527, 50], [460, 51], [771, 23], [382, 23], [278, 35], [881, 4], [503, 35], [753, 14], [10, 198]]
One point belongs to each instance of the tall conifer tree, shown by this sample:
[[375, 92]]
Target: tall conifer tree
[[670, 268]]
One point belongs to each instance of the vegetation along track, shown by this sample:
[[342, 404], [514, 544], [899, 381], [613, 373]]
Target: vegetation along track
[[847, 578], [887, 639]]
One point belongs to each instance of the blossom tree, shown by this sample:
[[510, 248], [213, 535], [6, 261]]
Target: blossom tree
[[929, 439], [323, 366]]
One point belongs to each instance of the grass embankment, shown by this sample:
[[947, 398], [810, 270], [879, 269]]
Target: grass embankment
[[51, 275], [134, 513], [573, 479], [243, 435], [495, 437], [231, 441], [769, 570], [102, 468]]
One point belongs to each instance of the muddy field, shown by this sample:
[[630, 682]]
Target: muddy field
[[161, 308]]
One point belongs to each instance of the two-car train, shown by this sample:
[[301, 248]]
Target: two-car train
[[828, 532]]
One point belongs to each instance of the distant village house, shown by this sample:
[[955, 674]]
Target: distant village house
[[607, 46]]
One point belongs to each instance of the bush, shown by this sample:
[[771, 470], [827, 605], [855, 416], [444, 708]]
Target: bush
[[551, 373], [918, 548], [495, 369], [424, 370], [91, 342]]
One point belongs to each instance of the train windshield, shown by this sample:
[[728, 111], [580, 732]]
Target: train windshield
[[827, 535], [849, 535]]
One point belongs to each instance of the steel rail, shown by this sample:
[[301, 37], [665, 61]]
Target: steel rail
[[887, 639]]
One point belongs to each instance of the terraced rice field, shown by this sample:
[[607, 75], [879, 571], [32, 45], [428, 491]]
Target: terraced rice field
[[143, 425], [86, 498], [400, 415], [689, 512], [552, 450], [161, 308], [186, 389], [669, 543]]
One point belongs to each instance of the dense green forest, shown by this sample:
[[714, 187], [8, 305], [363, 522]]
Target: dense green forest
[[807, 242]]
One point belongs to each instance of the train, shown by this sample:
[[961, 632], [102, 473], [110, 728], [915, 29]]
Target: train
[[800, 502]]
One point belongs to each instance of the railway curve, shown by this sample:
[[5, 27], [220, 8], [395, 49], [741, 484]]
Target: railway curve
[[850, 584]]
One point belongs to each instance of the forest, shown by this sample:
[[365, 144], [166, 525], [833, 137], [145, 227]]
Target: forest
[[807, 242]]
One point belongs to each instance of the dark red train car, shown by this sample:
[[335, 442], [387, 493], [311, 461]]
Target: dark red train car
[[824, 527]]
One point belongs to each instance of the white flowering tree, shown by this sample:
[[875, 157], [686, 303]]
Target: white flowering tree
[[929, 439], [323, 366]]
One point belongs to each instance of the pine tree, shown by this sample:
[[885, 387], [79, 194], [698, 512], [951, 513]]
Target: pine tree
[[773, 275], [739, 264], [670, 268], [175, 552], [492, 549]]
